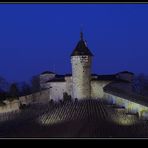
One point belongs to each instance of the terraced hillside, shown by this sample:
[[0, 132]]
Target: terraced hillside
[[87, 118]]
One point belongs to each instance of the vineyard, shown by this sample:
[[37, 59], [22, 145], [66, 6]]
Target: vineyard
[[86, 118]]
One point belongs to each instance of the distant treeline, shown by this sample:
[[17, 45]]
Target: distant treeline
[[140, 84], [15, 89]]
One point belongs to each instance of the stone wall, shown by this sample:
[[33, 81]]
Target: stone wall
[[97, 88], [39, 97], [130, 106], [69, 85], [10, 106], [56, 90]]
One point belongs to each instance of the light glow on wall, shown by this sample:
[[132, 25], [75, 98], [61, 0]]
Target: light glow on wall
[[125, 120]]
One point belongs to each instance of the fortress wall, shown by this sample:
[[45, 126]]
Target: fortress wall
[[55, 92], [57, 89], [23, 100], [10, 106], [131, 107], [44, 86], [69, 86], [97, 88], [44, 96], [39, 97], [26, 99]]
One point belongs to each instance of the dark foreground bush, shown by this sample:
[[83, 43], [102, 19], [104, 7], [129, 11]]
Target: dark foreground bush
[[23, 106], [66, 97]]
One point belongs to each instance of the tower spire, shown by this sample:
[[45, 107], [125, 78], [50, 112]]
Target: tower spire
[[81, 35]]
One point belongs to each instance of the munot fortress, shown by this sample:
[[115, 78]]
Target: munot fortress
[[82, 84]]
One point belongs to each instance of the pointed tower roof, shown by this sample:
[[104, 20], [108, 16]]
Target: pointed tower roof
[[81, 48]]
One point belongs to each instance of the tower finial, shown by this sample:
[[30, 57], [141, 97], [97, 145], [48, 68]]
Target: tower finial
[[81, 32], [81, 35]]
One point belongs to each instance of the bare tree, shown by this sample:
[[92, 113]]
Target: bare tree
[[141, 84], [4, 85], [25, 89]]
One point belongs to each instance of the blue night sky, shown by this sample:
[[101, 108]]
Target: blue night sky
[[39, 37]]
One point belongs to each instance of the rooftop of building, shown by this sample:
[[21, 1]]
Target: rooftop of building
[[104, 78], [47, 72], [68, 75], [126, 72], [81, 48], [57, 80], [112, 77], [131, 96]]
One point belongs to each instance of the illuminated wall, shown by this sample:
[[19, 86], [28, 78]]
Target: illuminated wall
[[56, 90], [39, 97], [69, 85], [10, 106], [81, 75], [131, 106], [97, 89]]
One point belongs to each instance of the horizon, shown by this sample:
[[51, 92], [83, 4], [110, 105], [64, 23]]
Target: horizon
[[40, 37]]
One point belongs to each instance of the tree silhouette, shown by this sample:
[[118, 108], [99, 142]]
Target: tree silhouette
[[26, 89], [66, 97], [140, 84], [35, 84], [14, 91]]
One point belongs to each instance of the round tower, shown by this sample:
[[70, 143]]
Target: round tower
[[81, 59]]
